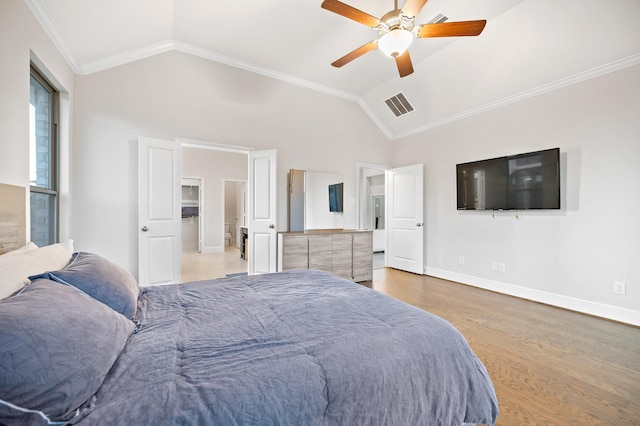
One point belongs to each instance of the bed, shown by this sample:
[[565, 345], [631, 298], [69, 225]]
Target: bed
[[83, 344]]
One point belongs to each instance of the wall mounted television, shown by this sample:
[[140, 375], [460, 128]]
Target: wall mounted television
[[515, 182], [335, 197]]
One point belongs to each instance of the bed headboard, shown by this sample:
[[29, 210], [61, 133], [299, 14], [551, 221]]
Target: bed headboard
[[13, 216]]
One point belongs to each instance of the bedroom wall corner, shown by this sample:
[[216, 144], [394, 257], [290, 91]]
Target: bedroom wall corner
[[570, 256], [23, 40]]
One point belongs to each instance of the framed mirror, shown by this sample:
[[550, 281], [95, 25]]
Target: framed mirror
[[315, 200]]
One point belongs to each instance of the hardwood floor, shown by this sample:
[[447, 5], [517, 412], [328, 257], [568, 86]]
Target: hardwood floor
[[549, 366]]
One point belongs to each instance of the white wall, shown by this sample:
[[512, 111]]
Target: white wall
[[569, 257], [21, 40], [316, 201], [174, 95]]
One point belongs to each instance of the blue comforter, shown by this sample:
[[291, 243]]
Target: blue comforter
[[292, 348]]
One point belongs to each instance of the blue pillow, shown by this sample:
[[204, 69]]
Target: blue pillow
[[56, 347], [101, 279]]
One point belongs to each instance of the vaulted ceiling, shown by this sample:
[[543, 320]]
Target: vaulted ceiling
[[527, 47]]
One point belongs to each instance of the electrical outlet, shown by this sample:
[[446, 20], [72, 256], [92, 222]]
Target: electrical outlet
[[502, 267], [619, 287], [494, 266], [460, 260]]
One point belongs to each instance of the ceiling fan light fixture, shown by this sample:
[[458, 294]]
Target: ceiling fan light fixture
[[395, 42]]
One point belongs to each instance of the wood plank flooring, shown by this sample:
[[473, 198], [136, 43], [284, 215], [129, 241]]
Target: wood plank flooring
[[549, 366]]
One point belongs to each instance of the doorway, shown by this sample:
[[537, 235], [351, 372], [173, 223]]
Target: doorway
[[191, 212], [159, 202], [218, 255], [371, 208], [405, 218]]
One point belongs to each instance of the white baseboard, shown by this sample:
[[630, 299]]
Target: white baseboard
[[614, 313]]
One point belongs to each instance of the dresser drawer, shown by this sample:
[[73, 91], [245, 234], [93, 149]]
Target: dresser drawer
[[347, 254], [342, 242], [295, 244], [295, 261], [363, 242], [322, 260], [318, 243]]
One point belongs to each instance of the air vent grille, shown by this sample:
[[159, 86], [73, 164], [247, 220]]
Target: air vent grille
[[438, 19], [399, 105]]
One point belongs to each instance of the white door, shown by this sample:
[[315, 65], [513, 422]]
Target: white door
[[261, 209], [405, 222], [159, 218]]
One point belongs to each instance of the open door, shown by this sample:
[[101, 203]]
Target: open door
[[159, 218], [192, 202], [370, 199], [262, 233], [405, 219]]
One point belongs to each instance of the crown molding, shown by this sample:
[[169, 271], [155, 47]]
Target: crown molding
[[373, 117], [43, 17], [267, 72], [214, 146], [171, 45], [127, 57], [589, 74]]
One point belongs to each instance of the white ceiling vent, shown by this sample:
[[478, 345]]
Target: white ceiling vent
[[438, 19], [399, 105]]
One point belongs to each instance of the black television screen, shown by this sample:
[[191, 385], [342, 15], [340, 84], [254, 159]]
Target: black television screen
[[482, 185], [335, 197], [520, 182]]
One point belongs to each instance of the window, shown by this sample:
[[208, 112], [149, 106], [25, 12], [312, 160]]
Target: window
[[43, 160]]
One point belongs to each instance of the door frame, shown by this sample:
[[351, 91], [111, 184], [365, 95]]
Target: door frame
[[360, 193], [159, 228], [224, 200], [360, 167], [214, 146], [412, 227], [261, 216], [181, 143], [199, 182], [249, 151]]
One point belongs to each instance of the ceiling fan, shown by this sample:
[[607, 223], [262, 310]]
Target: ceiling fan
[[397, 30]]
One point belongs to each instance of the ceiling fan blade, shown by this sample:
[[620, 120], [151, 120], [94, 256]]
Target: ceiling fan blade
[[413, 7], [452, 29], [355, 54], [405, 67], [350, 12]]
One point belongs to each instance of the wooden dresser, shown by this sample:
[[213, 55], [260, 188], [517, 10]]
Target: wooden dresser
[[346, 253]]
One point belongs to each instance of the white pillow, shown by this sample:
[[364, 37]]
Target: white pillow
[[15, 268], [27, 247]]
